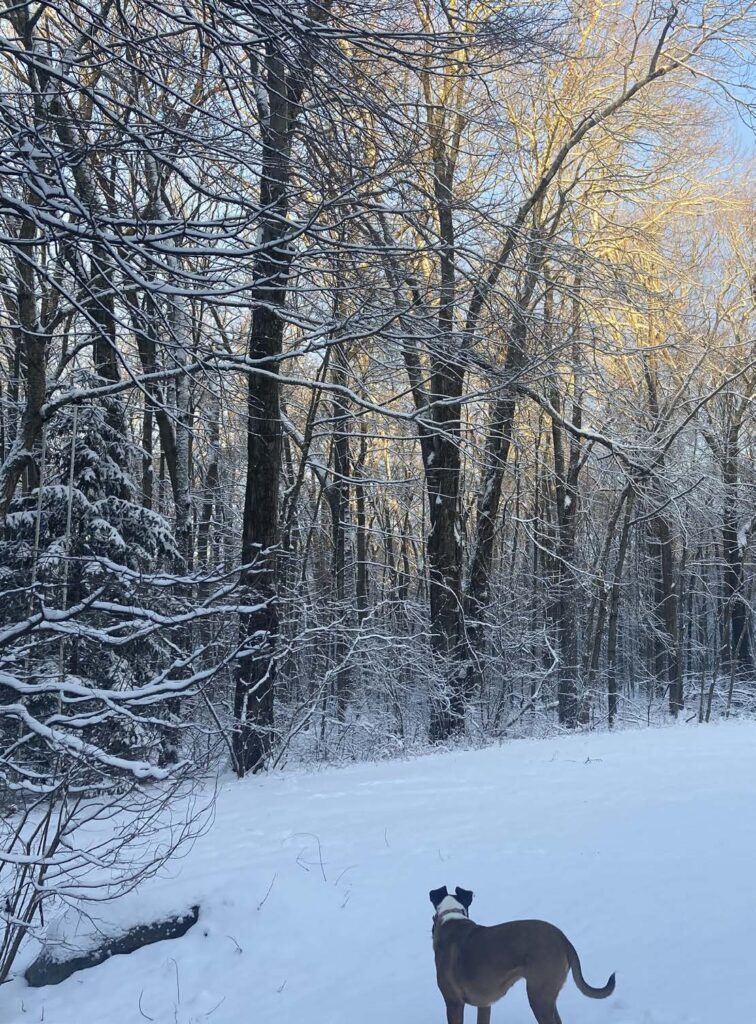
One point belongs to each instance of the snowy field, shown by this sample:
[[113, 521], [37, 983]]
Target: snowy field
[[314, 887]]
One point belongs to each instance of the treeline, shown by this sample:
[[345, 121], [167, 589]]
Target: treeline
[[370, 373]]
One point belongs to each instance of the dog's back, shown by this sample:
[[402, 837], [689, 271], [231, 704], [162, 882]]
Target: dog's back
[[476, 965], [486, 961]]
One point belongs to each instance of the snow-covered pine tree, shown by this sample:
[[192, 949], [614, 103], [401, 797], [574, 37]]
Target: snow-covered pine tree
[[77, 550]]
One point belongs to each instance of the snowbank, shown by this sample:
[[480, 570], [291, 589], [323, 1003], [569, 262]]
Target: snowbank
[[314, 887]]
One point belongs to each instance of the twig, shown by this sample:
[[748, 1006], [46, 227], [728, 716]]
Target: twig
[[302, 863], [261, 904], [178, 987], [320, 858], [210, 1012], [341, 875], [145, 1015]]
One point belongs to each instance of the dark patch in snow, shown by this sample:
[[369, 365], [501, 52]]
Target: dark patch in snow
[[50, 969]]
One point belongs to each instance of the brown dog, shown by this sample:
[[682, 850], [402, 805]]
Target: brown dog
[[475, 965]]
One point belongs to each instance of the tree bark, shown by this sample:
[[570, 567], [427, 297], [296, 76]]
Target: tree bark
[[362, 533], [738, 652], [614, 606], [33, 351], [211, 483], [498, 442], [568, 462], [337, 494], [661, 549], [148, 467], [666, 657], [279, 96]]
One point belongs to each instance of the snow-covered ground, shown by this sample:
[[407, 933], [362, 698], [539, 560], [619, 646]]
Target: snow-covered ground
[[314, 887]]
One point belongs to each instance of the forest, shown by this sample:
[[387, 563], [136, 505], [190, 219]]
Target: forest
[[373, 375]]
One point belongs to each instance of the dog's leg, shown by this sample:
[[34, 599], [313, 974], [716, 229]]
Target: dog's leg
[[543, 1006], [484, 1015], [455, 1013]]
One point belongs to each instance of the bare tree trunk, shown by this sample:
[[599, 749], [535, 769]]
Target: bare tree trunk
[[615, 595], [102, 313], [279, 97], [596, 622], [666, 611], [211, 483], [738, 651], [148, 468], [661, 549], [362, 534], [32, 350], [255, 670], [567, 467], [498, 442], [173, 436], [338, 497], [183, 495], [439, 433], [567, 582]]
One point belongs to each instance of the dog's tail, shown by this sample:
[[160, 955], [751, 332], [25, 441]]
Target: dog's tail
[[582, 984]]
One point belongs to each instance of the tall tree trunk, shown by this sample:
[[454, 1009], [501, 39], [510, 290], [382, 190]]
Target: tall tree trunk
[[566, 478], [362, 533], [173, 431], [738, 652], [666, 658], [211, 483], [148, 466], [568, 462], [102, 314], [439, 431], [442, 470], [596, 622], [179, 436], [32, 351], [255, 671], [279, 94], [615, 595], [661, 549], [183, 435], [498, 442], [337, 495]]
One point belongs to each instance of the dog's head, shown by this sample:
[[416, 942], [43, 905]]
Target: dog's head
[[447, 905]]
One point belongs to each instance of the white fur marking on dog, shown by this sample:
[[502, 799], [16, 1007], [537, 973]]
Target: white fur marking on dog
[[450, 907]]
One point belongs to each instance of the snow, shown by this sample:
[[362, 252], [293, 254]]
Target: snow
[[314, 887]]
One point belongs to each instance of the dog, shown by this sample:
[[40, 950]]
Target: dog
[[476, 966]]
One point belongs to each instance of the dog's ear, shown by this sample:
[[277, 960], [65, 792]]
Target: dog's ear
[[464, 896], [437, 895]]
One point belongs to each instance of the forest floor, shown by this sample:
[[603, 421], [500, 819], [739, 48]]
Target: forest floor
[[314, 887]]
